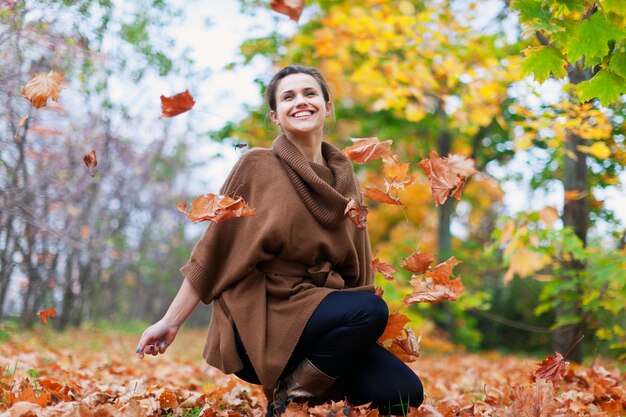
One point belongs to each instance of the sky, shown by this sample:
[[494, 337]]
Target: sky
[[223, 95]]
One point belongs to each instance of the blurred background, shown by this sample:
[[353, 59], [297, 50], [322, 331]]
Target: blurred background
[[540, 229]]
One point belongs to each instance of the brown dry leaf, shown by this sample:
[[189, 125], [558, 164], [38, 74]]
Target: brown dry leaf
[[182, 207], [384, 268], [535, 402], [406, 347], [177, 104], [42, 87], [379, 291], [91, 161], [462, 165], [418, 262], [395, 170], [357, 214], [46, 314], [377, 195], [295, 410], [549, 215], [445, 179], [367, 149], [395, 326], [291, 8], [24, 409], [436, 285], [551, 369], [218, 208], [168, 399]]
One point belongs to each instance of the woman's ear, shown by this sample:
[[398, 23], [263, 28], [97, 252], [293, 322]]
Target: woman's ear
[[273, 117], [329, 109]]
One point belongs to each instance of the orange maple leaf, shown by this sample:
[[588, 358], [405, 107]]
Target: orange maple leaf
[[42, 87], [217, 208], [177, 104], [44, 315], [384, 268], [406, 347], [367, 149], [551, 369], [418, 262], [291, 8], [436, 285], [395, 326], [91, 161], [357, 214], [446, 178], [377, 195]]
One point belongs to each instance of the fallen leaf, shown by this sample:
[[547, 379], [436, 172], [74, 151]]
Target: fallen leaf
[[367, 149], [379, 291], [574, 195], [418, 262], [42, 87], [91, 161], [445, 179], [218, 208], [377, 195], [44, 315], [395, 170], [177, 104], [168, 399], [291, 8], [357, 214], [536, 401], [387, 270], [394, 328], [551, 369]]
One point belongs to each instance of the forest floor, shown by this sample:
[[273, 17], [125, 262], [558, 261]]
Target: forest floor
[[96, 373]]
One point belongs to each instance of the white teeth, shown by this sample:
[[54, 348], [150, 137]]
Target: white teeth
[[302, 114]]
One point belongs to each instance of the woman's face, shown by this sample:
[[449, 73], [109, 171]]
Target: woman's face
[[300, 105]]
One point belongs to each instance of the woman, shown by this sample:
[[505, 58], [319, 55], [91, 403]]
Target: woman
[[295, 308]]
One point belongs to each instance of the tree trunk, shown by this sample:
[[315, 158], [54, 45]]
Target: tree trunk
[[575, 215]]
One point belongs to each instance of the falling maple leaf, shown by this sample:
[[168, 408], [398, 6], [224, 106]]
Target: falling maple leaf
[[367, 149], [384, 268], [42, 87], [217, 208], [44, 315], [377, 195], [291, 8], [91, 161], [446, 178], [357, 214], [394, 328], [406, 347], [551, 369], [435, 285], [177, 104], [418, 262]]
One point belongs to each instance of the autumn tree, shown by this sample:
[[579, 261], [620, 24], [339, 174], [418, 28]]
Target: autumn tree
[[78, 238]]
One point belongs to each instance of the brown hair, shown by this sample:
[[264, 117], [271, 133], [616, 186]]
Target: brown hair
[[270, 92]]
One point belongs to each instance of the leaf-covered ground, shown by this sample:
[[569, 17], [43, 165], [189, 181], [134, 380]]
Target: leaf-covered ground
[[96, 373]]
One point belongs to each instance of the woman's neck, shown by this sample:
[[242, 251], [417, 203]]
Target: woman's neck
[[310, 146]]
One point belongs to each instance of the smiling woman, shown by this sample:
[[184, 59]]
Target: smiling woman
[[295, 306]]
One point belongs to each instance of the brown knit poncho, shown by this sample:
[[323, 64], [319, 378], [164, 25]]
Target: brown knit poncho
[[268, 273]]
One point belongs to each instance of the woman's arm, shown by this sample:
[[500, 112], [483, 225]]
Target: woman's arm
[[158, 337]]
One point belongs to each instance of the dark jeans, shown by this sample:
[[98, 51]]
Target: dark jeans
[[340, 340]]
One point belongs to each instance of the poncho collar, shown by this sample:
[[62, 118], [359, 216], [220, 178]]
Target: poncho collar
[[325, 194]]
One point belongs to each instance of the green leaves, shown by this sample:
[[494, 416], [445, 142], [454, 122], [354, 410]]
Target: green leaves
[[593, 39], [543, 60], [606, 86]]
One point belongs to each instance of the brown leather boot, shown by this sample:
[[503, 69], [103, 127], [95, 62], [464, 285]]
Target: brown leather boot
[[306, 384]]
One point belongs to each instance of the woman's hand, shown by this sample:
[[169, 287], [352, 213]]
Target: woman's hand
[[156, 338]]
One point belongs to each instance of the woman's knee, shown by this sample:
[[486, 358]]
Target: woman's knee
[[377, 312]]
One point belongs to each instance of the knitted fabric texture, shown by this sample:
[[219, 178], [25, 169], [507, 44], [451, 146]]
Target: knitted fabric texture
[[326, 201]]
